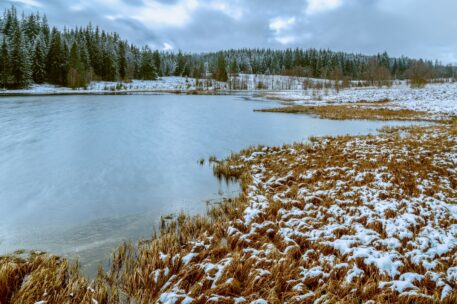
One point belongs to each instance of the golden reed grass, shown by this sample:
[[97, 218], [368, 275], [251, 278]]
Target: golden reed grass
[[219, 258], [364, 111]]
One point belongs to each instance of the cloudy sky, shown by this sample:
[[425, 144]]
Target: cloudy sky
[[416, 28]]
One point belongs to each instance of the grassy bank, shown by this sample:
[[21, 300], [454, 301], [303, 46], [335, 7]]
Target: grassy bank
[[371, 111], [340, 219]]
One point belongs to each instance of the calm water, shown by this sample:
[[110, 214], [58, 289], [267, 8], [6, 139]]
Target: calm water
[[79, 174]]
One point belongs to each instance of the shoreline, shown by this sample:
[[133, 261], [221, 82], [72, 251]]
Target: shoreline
[[438, 99], [138, 92]]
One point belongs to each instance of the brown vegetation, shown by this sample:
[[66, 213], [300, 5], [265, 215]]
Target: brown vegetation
[[360, 110], [296, 190]]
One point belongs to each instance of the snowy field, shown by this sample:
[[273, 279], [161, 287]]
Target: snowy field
[[435, 98], [248, 82], [253, 82], [170, 83]]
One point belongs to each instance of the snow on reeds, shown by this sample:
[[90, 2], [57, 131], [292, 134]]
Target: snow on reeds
[[356, 111], [339, 219]]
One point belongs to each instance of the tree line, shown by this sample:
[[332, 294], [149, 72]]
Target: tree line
[[32, 52]]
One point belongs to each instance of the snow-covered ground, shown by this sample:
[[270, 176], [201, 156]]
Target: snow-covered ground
[[435, 98], [170, 83], [253, 82], [248, 82]]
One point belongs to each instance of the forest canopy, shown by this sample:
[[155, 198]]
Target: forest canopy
[[33, 52]]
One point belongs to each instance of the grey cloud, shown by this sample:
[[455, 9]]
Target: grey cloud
[[419, 28]]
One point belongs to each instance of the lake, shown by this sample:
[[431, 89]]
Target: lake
[[80, 174]]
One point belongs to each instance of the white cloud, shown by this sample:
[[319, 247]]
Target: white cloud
[[167, 46], [285, 39], [29, 2], [280, 24], [113, 17], [281, 27], [233, 11], [317, 6], [152, 14], [157, 14]]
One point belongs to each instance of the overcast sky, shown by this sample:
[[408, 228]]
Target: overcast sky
[[416, 28]]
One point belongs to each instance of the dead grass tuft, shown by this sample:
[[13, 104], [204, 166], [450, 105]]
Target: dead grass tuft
[[362, 111]]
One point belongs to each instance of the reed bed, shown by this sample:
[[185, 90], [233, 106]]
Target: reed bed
[[373, 111]]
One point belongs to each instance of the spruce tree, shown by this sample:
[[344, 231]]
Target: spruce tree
[[147, 70], [64, 63], [11, 23], [20, 67], [221, 70], [76, 72], [134, 69], [157, 63], [288, 59], [85, 61], [234, 67], [45, 30], [39, 62], [109, 65], [180, 64], [54, 59], [122, 61], [199, 70], [31, 27], [4, 65]]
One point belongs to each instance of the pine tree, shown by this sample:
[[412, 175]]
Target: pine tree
[[136, 63], [157, 63], [199, 70], [85, 60], [180, 64], [64, 63], [384, 60], [109, 70], [54, 59], [288, 59], [234, 67], [76, 72], [45, 30], [39, 62], [4, 65], [20, 67], [11, 23], [147, 70], [94, 47], [221, 70], [31, 27], [122, 61]]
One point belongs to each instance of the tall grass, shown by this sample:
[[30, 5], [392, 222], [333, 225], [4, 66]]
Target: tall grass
[[173, 258], [354, 111]]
